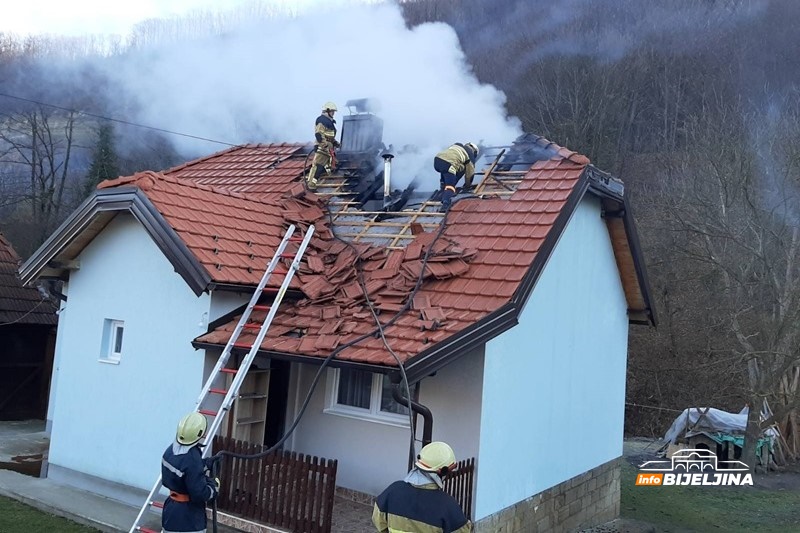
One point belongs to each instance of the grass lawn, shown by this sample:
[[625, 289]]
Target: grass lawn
[[17, 517], [727, 509]]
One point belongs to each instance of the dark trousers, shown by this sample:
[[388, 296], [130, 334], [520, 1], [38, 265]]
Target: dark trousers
[[447, 180]]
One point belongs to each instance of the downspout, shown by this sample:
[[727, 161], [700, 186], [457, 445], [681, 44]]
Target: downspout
[[427, 417]]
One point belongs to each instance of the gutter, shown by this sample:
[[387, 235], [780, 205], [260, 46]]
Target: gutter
[[475, 335], [295, 358]]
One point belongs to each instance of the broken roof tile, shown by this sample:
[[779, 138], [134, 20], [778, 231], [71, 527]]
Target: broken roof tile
[[327, 342]]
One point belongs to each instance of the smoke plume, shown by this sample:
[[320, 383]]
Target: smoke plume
[[266, 80]]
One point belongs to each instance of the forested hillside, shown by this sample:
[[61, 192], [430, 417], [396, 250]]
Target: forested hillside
[[693, 103]]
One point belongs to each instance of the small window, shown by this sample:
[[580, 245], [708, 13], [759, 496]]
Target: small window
[[362, 394], [111, 349]]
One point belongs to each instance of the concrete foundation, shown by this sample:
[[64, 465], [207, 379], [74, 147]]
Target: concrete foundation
[[582, 502]]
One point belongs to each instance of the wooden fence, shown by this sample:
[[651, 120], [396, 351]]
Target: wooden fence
[[459, 482], [284, 489]]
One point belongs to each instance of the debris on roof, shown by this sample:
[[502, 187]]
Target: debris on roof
[[335, 275], [473, 268]]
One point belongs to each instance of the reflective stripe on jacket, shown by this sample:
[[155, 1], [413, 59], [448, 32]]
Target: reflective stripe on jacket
[[461, 164], [182, 471], [407, 508]]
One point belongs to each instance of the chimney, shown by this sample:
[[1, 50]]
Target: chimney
[[387, 176]]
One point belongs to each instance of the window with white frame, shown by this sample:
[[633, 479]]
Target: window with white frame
[[111, 348], [362, 394]]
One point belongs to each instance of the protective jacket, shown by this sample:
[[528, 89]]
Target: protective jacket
[[183, 473], [325, 132], [461, 162], [418, 505]]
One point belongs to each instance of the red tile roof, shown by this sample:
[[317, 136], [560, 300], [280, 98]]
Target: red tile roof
[[232, 236], [18, 304], [243, 169], [475, 268], [231, 210]]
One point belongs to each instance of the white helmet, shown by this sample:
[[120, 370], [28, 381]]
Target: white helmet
[[474, 148], [191, 428], [329, 106], [435, 457]]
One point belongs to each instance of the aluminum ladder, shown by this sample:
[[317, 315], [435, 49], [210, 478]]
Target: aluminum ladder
[[220, 370]]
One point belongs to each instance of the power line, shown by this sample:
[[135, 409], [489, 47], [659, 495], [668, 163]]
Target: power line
[[654, 407], [120, 121]]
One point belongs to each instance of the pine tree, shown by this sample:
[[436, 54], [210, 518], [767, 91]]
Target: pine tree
[[104, 159]]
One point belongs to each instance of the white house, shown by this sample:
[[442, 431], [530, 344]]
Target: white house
[[516, 339]]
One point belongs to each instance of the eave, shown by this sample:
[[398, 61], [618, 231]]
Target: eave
[[92, 216]]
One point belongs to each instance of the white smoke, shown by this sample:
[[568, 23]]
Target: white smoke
[[266, 82]]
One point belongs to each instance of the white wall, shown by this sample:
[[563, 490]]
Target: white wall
[[454, 397], [372, 455], [554, 386], [114, 421], [223, 302]]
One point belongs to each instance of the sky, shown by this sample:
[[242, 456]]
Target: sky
[[81, 17]]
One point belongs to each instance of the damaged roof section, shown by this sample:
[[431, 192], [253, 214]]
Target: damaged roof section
[[483, 260], [337, 276]]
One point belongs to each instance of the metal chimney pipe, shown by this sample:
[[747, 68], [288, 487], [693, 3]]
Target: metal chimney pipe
[[387, 176]]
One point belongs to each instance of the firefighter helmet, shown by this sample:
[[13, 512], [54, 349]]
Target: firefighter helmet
[[436, 456], [329, 106], [474, 148], [191, 428]]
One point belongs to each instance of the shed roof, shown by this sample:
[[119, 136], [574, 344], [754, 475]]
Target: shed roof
[[20, 304]]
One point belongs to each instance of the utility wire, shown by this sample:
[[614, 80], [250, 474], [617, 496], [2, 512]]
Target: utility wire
[[654, 407], [118, 120], [40, 302]]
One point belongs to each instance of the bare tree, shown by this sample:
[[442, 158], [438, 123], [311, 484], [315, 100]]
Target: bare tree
[[732, 202], [37, 146]]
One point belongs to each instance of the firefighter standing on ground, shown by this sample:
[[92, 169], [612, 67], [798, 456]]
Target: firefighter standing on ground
[[183, 472], [457, 161], [418, 504], [325, 145]]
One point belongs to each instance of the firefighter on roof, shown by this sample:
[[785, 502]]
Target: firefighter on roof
[[418, 504], [452, 164], [183, 472], [325, 145]]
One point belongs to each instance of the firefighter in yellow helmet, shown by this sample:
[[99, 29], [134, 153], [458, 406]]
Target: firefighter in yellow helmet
[[418, 504], [325, 145], [456, 161], [183, 472]]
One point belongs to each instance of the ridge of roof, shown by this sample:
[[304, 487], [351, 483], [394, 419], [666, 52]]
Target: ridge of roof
[[240, 147], [148, 180], [564, 153]]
